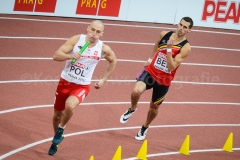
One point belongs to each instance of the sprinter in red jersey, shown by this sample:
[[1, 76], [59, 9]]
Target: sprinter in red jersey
[[168, 53]]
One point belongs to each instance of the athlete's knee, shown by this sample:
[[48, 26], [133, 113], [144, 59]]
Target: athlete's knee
[[70, 104], [69, 107], [137, 91], [57, 115], [154, 106]]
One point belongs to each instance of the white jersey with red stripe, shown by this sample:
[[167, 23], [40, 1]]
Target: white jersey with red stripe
[[82, 70]]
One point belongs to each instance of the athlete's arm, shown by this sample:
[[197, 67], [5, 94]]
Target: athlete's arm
[[174, 63], [110, 56], [62, 53], [155, 47]]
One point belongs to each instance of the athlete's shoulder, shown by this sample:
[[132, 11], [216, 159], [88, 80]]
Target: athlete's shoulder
[[187, 46], [76, 36], [74, 39], [106, 48], [163, 33]]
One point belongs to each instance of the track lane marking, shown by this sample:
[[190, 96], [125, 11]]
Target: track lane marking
[[118, 42], [119, 103], [121, 60], [124, 81]]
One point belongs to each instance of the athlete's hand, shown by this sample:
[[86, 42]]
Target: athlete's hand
[[99, 84], [76, 55], [170, 43]]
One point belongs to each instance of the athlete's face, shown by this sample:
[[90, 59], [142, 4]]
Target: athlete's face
[[95, 31], [183, 28]]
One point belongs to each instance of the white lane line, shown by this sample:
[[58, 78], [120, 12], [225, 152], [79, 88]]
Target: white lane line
[[114, 129], [38, 38], [25, 58], [120, 103], [118, 42], [114, 24], [206, 83], [122, 81], [210, 65], [30, 81], [25, 108], [121, 60]]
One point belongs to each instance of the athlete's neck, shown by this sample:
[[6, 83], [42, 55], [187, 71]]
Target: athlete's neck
[[178, 38]]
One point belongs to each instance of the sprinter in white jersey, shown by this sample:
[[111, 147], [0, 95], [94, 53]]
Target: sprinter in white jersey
[[74, 83]]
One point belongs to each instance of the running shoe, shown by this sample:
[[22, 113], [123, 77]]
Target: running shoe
[[53, 149], [141, 134], [124, 118], [57, 139]]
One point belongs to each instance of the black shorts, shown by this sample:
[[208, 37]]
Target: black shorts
[[159, 91]]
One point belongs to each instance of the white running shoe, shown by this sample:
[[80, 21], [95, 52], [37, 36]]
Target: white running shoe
[[141, 134], [124, 118]]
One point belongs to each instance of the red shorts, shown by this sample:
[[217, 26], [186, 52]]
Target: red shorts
[[66, 89]]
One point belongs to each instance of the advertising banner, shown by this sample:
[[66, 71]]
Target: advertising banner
[[35, 5], [101, 8], [205, 13]]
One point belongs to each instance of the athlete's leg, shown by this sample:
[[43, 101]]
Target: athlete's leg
[[138, 89], [76, 97], [63, 117], [61, 96], [158, 96], [57, 116], [59, 105], [140, 86], [152, 113], [71, 103], [143, 83], [65, 112]]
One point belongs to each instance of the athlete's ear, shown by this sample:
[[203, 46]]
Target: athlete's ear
[[87, 28]]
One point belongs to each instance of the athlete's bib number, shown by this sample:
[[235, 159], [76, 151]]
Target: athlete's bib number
[[76, 73], [161, 64]]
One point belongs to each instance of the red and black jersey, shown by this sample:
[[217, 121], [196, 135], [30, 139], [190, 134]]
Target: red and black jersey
[[158, 67]]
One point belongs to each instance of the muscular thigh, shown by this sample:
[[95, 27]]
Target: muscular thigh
[[159, 91], [61, 95], [81, 92], [66, 89], [147, 79]]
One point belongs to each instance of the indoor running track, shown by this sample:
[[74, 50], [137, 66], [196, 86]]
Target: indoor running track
[[203, 101]]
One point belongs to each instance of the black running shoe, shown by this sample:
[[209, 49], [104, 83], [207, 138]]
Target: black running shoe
[[124, 118], [53, 149], [57, 139]]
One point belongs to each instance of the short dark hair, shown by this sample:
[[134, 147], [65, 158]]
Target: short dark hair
[[189, 20]]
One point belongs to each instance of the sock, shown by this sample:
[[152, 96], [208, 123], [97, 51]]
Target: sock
[[132, 110], [61, 127], [144, 127]]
